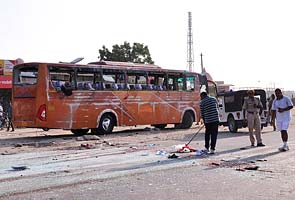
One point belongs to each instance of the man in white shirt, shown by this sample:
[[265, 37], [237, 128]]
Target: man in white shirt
[[281, 107]]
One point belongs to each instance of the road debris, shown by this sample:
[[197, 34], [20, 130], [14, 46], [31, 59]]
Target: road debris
[[108, 143], [19, 167], [255, 167], [200, 152], [183, 148], [172, 156], [215, 164], [88, 137], [161, 153], [18, 145], [87, 146]]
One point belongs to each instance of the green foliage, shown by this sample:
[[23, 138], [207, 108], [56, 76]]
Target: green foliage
[[138, 53]]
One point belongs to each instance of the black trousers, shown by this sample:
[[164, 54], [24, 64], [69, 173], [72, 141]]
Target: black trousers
[[211, 132], [10, 124]]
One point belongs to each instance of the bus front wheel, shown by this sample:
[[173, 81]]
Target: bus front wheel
[[106, 124], [80, 131]]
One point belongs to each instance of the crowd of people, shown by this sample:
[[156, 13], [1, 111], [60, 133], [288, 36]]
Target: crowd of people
[[279, 107]]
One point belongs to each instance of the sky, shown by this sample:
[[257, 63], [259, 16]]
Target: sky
[[247, 43]]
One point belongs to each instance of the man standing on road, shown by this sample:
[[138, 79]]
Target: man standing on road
[[210, 116], [9, 113], [281, 110], [253, 107]]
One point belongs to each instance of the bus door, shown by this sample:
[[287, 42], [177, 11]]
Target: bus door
[[25, 94]]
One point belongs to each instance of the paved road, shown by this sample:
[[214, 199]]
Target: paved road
[[134, 171]]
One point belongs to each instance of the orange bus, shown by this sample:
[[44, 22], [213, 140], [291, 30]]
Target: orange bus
[[101, 95]]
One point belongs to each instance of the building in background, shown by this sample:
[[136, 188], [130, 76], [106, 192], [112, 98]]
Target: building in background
[[6, 68]]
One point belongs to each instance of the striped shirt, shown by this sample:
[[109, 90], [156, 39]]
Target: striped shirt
[[209, 110]]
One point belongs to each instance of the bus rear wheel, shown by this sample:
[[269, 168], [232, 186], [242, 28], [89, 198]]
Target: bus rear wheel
[[106, 124], [187, 121], [79, 131]]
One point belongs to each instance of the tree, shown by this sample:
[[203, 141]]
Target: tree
[[138, 53]]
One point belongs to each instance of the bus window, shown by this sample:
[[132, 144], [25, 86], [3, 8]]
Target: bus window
[[109, 80], [212, 89], [136, 81], [113, 80], [85, 81], [26, 75], [172, 82], [161, 85], [58, 77], [190, 83], [180, 83]]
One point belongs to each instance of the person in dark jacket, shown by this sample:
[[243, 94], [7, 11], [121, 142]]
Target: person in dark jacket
[[9, 113], [210, 116]]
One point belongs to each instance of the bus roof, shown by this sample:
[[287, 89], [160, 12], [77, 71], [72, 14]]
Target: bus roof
[[111, 65]]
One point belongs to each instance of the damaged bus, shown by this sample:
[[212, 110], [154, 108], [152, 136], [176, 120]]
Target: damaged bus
[[101, 95]]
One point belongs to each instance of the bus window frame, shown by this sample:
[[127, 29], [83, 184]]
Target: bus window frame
[[57, 69], [194, 82], [18, 70]]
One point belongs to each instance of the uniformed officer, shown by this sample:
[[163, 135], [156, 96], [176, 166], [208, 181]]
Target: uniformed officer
[[253, 107]]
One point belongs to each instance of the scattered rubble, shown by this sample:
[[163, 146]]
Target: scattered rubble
[[19, 167], [88, 137], [171, 156], [161, 153], [87, 146]]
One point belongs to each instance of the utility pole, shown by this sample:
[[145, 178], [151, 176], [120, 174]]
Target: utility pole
[[190, 48], [202, 67]]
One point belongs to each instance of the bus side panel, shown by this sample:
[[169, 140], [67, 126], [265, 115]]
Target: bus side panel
[[162, 108], [24, 105], [82, 108], [191, 100], [69, 112], [24, 112], [174, 112], [136, 108]]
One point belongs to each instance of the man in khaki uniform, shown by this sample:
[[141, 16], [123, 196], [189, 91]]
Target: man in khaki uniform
[[253, 107]]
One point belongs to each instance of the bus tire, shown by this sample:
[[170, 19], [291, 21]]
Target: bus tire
[[232, 126], [79, 132], [187, 120], [45, 129], [106, 124], [159, 126]]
